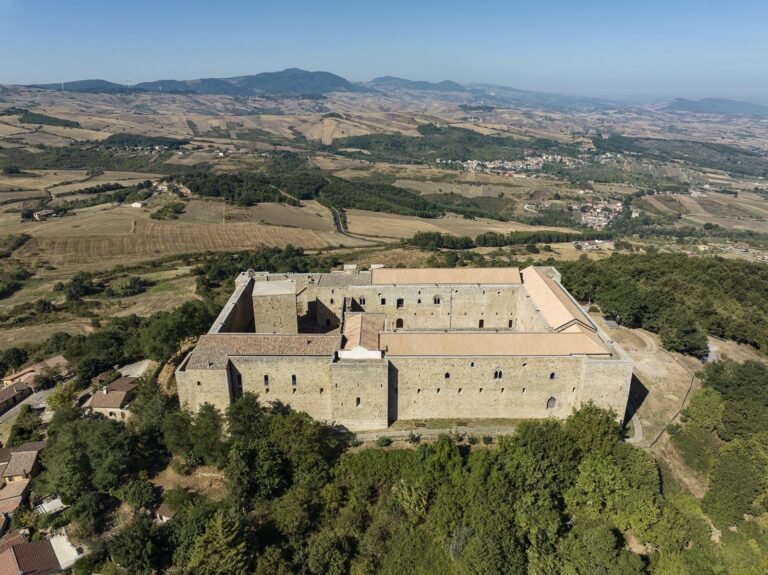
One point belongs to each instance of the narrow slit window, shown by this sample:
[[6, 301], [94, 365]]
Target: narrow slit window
[[293, 380], [266, 380]]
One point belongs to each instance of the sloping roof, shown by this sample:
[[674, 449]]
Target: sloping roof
[[33, 558], [14, 489], [490, 344], [165, 511], [12, 390], [552, 302], [13, 538], [117, 394], [426, 276], [362, 330], [56, 362], [21, 463], [213, 350], [29, 446], [5, 454]]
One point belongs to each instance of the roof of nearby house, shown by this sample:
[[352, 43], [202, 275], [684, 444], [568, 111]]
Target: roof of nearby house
[[426, 276], [14, 489], [117, 394], [32, 558], [5, 454], [30, 446], [165, 511], [213, 351], [21, 463], [56, 362], [12, 390]]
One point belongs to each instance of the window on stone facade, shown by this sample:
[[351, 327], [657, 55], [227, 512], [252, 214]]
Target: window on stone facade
[[383, 301], [436, 300], [400, 302], [418, 300], [447, 375], [552, 375], [266, 380], [321, 391], [523, 390], [293, 390], [418, 391], [198, 383], [502, 390], [293, 380], [509, 323], [357, 402], [438, 390], [459, 390], [471, 364], [362, 301], [498, 374], [481, 390], [551, 403], [331, 301], [399, 322], [481, 324]]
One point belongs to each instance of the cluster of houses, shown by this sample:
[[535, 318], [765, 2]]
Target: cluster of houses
[[21, 556], [21, 384], [600, 214], [508, 167]]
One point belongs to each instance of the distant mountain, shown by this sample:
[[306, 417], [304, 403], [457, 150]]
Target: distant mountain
[[505, 96], [84, 86], [717, 106], [394, 83], [291, 82]]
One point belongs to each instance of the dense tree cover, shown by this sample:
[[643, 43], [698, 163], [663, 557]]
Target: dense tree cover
[[341, 193], [220, 269], [170, 211], [554, 498], [445, 143], [25, 427], [682, 298], [704, 154], [241, 189], [724, 437], [28, 117], [123, 140], [437, 240]]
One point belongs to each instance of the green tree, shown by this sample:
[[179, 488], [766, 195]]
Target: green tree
[[135, 546], [207, 436], [221, 549]]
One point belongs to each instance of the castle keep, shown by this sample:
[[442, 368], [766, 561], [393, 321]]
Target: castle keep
[[363, 349]]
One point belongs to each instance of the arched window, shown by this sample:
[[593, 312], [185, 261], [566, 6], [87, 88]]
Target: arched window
[[399, 322], [436, 300], [552, 375], [357, 402], [551, 403], [447, 375], [498, 374], [400, 303]]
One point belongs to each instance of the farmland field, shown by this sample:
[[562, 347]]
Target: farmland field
[[104, 235], [395, 226]]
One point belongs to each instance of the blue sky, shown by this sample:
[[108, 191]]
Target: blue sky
[[647, 48]]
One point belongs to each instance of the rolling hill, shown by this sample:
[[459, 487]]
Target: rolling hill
[[394, 83], [717, 106]]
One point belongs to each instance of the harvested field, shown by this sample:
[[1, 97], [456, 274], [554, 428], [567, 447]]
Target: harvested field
[[7, 197], [37, 333], [103, 235], [123, 178], [395, 226], [41, 179], [310, 216]]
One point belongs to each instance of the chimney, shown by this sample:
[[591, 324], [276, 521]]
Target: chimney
[[104, 390]]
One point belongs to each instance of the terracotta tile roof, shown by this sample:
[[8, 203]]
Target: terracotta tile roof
[[14, 489], [118, 394], [10, 505], [213, 350], [362, 330], [426, 276], [12, 538], [33, 558], [12, 390], [29, 446], [553, 303], [490, 344], [57, 362], [21, 463]]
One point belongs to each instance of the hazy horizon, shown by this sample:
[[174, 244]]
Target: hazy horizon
[[596, 48]]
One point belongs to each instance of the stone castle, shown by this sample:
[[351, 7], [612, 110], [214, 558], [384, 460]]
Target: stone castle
[[362, 349]]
